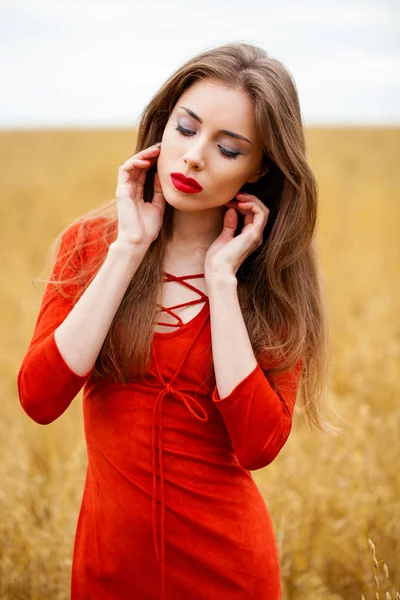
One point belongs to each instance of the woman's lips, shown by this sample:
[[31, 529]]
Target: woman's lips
[[182, 184]]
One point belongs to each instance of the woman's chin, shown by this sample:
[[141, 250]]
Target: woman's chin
[[180, 200]]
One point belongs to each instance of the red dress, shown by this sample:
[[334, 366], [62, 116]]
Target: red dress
[[170, 510]]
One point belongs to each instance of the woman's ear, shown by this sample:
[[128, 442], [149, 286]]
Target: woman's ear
[[258, 174], [263, 168]]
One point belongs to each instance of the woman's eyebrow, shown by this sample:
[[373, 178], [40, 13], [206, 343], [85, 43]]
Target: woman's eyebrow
[[231, 133]]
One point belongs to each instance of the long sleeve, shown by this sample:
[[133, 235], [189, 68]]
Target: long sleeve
[[46, 384], [257, 417]]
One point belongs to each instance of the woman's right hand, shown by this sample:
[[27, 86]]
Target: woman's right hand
[[139, 222]]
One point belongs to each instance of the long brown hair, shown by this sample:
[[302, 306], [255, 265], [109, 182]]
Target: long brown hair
[[279, 284]]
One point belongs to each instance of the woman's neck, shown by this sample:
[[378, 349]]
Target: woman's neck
[[194, 232]]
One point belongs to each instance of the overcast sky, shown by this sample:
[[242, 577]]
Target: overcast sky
[[96, 63]]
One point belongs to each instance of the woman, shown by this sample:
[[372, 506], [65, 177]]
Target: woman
[[178, 411]]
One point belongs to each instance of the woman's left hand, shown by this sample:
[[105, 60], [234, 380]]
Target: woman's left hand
[[227, 252]]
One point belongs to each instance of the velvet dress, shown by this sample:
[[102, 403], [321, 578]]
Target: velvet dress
[[169, 509]]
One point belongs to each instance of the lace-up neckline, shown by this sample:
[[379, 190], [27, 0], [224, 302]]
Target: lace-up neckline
[[180, 326], [169, 390]]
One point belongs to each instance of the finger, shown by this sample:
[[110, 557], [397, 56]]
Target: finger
[[139, 170], [230, 225], [138, 184], [134, 170], [150, 151], [246, 201], [146, 154], [243, 196], [248, 218], [142, 159], [235, 204], [128, 170], [158, 198], [150, 148], [246, 210], [130, 174], [138, 176], [241, 207], [254, 214]]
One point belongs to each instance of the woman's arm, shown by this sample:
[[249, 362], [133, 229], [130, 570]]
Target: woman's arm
[[257, 418], [67, 339]]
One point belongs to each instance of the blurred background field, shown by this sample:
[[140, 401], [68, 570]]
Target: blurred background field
[[327, 496]]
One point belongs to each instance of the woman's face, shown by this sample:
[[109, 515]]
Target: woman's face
[[219, 161]]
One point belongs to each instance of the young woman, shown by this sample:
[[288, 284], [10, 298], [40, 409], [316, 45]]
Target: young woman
[[179, 407]]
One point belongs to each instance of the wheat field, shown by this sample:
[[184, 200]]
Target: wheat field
[[334, 501]]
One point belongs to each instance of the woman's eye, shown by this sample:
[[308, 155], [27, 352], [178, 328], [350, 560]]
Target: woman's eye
[[184, 131], [228, 153], [225, 153]]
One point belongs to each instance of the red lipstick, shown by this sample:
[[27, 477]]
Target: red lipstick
[[185, 184]]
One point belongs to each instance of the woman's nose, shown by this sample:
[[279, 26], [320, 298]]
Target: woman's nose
[[194, 159]]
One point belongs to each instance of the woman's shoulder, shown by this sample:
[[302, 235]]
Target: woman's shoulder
[[90, 237], [97, 230], [83, 247]]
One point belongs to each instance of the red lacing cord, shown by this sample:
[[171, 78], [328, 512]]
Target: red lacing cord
[[169, 310]]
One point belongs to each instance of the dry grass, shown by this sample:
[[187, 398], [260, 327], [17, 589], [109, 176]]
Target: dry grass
[[330, 498]]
